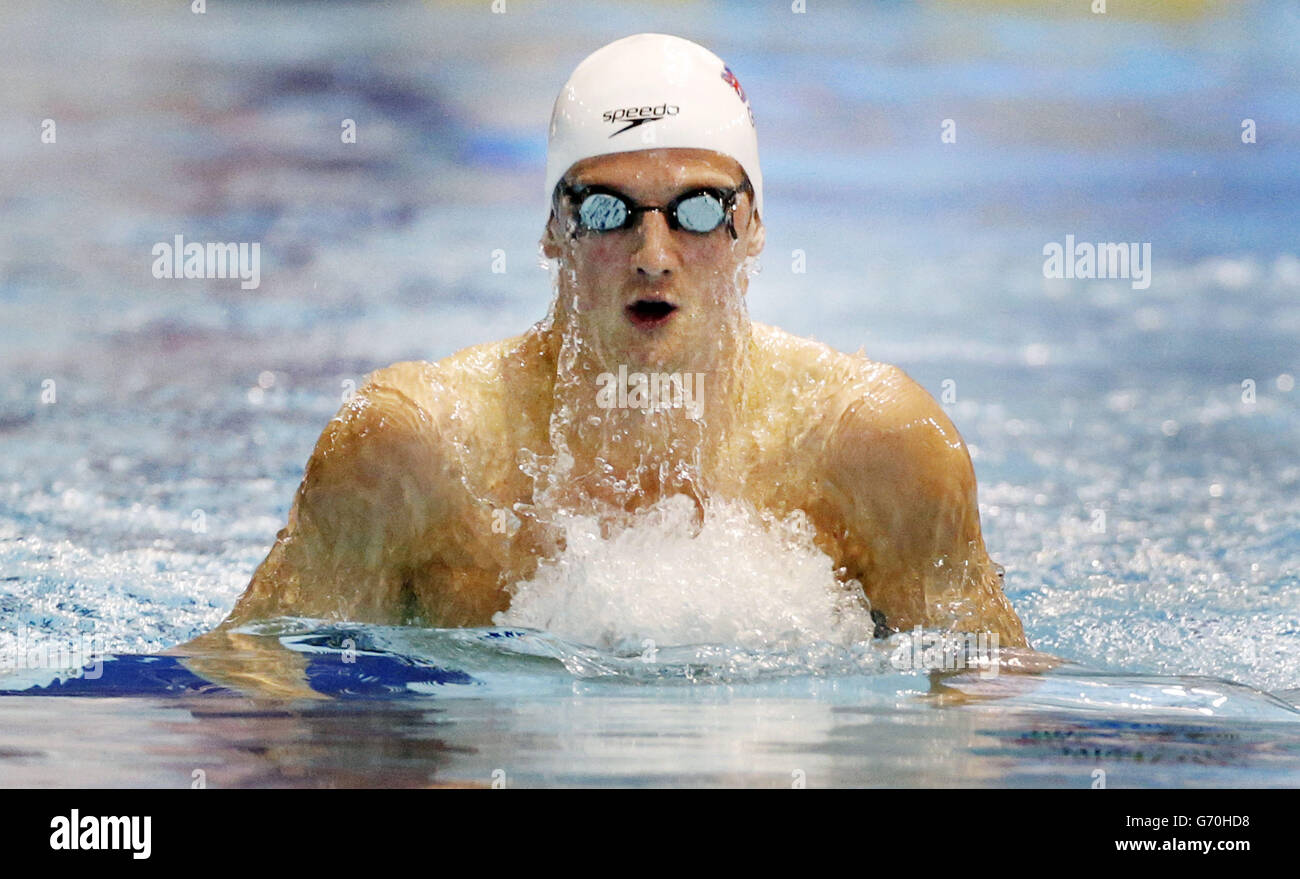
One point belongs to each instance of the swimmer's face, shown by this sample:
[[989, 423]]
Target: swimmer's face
[[652, 295]]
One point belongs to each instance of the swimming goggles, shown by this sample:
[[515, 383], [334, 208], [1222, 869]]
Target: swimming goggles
[[602, 209]]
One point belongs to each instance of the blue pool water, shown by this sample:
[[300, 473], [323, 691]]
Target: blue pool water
[[1135, 448]]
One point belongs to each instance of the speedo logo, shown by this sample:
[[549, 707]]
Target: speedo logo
[[635, 116]]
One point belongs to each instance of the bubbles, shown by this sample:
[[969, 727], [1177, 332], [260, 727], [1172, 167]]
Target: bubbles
[[674, 578]]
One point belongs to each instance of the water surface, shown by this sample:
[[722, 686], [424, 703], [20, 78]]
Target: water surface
[[1135, 448]]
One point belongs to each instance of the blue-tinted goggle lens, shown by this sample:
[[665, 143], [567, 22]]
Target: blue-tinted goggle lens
[[602, 212], [701, 213]]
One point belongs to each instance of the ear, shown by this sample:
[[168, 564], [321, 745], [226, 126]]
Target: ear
[[757, 237]]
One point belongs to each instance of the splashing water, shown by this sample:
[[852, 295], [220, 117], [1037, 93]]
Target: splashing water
[[667, 580], [653, 550], [649, 549]]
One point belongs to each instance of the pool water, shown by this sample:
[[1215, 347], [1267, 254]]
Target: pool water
[[1135, 448]]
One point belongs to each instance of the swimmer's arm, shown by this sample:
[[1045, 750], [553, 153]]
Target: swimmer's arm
[[360, 519], [908, 490]]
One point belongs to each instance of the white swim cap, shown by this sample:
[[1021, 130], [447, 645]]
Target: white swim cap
[[651, 91]]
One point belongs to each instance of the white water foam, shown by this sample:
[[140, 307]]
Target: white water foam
[[667, 580]]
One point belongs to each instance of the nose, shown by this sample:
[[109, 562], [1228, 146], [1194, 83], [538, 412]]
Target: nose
[[654, 255]]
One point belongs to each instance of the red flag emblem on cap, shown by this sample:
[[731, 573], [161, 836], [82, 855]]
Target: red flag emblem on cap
[[730, 79]]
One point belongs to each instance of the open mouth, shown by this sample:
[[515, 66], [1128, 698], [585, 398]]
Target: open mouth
[[650, 312]]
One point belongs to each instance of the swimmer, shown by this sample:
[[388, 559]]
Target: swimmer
[[438, 486]]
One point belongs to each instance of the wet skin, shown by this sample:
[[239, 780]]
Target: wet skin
[[399, 518]]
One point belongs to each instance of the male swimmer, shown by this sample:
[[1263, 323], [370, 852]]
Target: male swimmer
[[440, 485]]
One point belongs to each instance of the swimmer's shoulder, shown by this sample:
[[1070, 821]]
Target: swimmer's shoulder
[[397, 446], [813, 370], [469, 379], [871, 414], [390, 425], [491, 397]]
